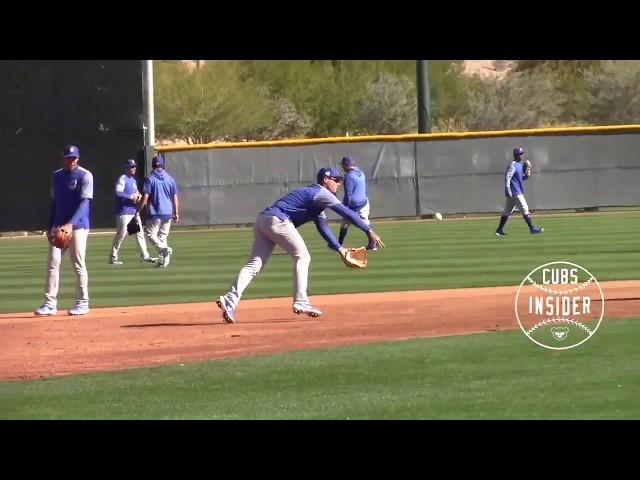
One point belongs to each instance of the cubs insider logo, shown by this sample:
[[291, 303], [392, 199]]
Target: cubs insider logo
[[559, 305], [73, 183]]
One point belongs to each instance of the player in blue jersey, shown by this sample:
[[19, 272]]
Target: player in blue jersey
[[127, 197], [514, 177], [160, 192], [277, 225], [355, 196], [71, 194]]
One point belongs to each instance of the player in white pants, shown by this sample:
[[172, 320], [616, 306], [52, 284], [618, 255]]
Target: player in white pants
[[277, 225], [355, 196], [71, 194], [514, 177], [126, 200], [160, 192]]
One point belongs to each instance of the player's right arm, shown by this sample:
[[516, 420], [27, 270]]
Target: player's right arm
[[52, 212], [349, 188]]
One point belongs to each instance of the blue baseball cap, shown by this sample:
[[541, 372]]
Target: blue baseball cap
[[346, 162], [70, 151], [328, 172], [518, 151], [131, 163], [157, 161]]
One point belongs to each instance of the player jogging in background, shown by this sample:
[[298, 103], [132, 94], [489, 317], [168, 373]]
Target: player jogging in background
[[160, 192], [277, 225], [355, 197], [514, 191]]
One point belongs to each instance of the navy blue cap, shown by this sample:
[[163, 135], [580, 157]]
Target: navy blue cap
[[131, 163], [70, 151], [347, 162], [328, 172], [157, 161], [518, 151]]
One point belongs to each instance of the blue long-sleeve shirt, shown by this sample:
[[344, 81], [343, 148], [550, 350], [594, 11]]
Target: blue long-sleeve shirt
[[308, 204], [355, 189], [161, 188], [514, 178]]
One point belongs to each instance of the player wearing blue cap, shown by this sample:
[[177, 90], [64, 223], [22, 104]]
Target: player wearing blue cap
[[277, 225], [127, 197], [514, 177], [355, 196], [71, 194], [160, 192]]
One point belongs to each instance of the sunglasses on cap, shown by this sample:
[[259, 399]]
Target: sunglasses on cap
[[336, 179]]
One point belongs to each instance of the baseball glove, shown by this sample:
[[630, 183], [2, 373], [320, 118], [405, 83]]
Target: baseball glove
[[133, 226], [527, 167], [60, 238], [356, 258]]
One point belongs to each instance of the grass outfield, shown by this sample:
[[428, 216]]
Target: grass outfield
[[499, 375], [420, 255]]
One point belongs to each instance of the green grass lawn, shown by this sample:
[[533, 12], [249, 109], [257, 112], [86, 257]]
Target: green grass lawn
[[500, 375], [419, 255]]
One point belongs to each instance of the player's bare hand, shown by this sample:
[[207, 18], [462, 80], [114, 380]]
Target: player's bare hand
[[374, 237], [342, 251], [176, 217], [68, 227]]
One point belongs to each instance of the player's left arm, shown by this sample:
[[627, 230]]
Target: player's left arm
[[176, 202], [325, 199], [349, 188], [146, 189], [86, 194], [176, 207]]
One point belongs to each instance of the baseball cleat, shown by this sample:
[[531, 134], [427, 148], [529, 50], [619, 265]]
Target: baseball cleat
[[307, 309], [228, 310], [166, 258], [79, 310], [114, 261], [46, 310], [500, 233], [149, 259], [535, 230]]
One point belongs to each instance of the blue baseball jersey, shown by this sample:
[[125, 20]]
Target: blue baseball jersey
[[514, 177], [355, 189], [161, 188], [125, 187], [308, 204], [68, 190]]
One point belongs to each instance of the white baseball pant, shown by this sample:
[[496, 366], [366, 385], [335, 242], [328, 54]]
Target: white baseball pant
[[157, 232], [516, 201], [363, 213], [269, 231], [77, 249], [121, 232]]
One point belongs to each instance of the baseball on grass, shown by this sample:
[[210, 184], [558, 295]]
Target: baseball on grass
[[438, 216]]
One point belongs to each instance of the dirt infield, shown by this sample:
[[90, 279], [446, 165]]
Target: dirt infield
[[125, 337]]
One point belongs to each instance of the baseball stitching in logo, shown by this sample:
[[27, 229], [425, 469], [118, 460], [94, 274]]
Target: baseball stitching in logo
[[559, 305]]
